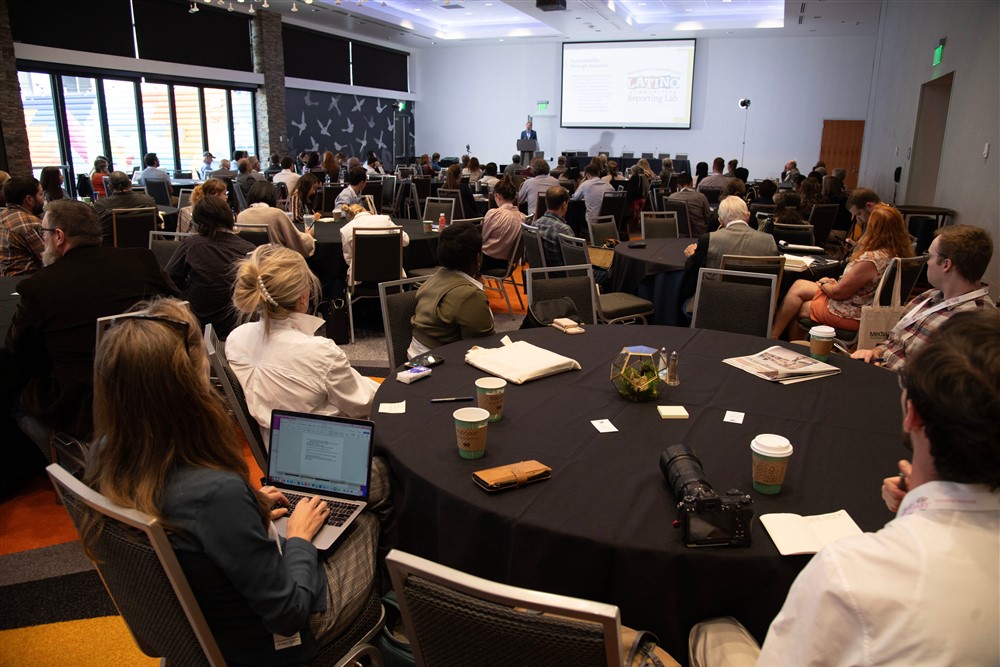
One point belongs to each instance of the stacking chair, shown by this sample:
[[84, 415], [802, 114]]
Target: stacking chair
[[456, 195], [241, 199], [184, 197], [373, 188], [378, 258], [756, 264], [399, 303], [614, 307], [144, 579], [602, 229], [164, 244], [540, 206], [574, 250], [712, 195], [159, 191], [422, 188], [107, 185], [534, 256], [681, 210], [737, 307], [501, 276], [576, 282], [453, 618], [469, 221], [761, 208], [435, 206], [282, 189], [614, 204], [822, 218], [236, 400], [328, 196], [658, 225], [389, 194], [794, 234], [257, 234], [131, 226]]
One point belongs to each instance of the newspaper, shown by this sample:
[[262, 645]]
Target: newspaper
[[779, 364]]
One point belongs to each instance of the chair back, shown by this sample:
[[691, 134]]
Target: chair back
[[680, 209], [378, 255], [107, 186], [423, 186], [435, 206], [142, 575], [257, 234], [159, 191], [795, 234], [574, 281], [602, 229], [233, 391], [241, 198], [495, 278], [131, 226], [658, 225], [469, 221], [399, 303], [574, 250], [613, 203], [164, 244], [456, 196], [755, 264], [388, 190], [540, 206], [532, 244], [712, 195], [452, 618], [373, 189], [184, 198], [910, 268], [822, 218], [326, 197], [737, 307]]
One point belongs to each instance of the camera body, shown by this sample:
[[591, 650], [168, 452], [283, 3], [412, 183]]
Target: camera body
[[706, 519]]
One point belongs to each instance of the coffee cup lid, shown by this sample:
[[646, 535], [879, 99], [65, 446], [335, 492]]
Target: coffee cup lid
[[769, 444], [822, 331]]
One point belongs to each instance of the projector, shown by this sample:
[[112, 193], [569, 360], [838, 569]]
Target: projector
[[745, 103], [551, 5]]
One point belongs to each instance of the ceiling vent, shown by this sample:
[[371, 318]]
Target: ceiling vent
[[551, 5]]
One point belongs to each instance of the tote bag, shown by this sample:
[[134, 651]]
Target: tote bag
[[876, 320]]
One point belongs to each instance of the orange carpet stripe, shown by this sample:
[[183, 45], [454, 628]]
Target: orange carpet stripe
[[33, 519], [92, 642]]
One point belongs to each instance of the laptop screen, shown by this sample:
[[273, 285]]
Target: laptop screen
[[320, 454]]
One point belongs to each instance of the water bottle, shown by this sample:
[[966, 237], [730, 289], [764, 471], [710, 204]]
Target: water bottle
[[326, 181], [441, 222]]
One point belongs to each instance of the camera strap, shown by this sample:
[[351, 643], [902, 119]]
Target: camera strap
[[644, 648]]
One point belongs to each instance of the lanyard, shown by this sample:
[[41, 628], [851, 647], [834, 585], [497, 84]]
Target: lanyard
[[916, 314]]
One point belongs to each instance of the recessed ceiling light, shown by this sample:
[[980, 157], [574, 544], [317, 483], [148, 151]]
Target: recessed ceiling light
[[688, 9], [468, 13], [416, 9], [500, 40]]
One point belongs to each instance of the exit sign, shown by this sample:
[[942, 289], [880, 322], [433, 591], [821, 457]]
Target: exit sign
[[937, 55]]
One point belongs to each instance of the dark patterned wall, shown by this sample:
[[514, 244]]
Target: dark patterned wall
[[343, 122]]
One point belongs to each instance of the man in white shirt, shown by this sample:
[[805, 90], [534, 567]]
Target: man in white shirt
[[357, 178], [924, 590], [152, 172], [206, 168], [287, 174], [592, 190], [715, 180]]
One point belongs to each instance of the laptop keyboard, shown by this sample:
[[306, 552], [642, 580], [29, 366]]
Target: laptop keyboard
[[339, 511]]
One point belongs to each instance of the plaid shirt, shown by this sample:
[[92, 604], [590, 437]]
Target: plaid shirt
[[21, 243], [550, 226], [904, 341]]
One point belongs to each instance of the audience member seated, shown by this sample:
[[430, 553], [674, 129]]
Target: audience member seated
[[331, 168], [698, 209], [838, 303], [287, 175], [501, 227], [666, 170], [300, 201], [357, 178], [213, 188], [152, 172], [373, 165], [613, 174], [206, 168], [734, 237], [245, 179], [451, 304], [122, 196], [254, 168], [833, 190], [591, 191], [274, 167], [905, 594], [860, 204], [473, 170], [435, 159], [553, 223], [314, 165], [489, 178], [360, 217], [4, 177], [97, 178], [425, 165], [540, 182], [277, 359], [262, 210], [51, 180], [700, 172], [766, 190], [181, 461], [811, 192], [786, 208], [224, 171], [716, 180], [21, 236], [735, 188], [453, 181], [514, 168], [202, 265], [790, 172], [52, 333], [957, 260], [643, 167], [731, 168], [560, 166]]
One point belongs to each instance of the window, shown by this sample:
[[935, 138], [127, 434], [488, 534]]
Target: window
[[188, 113], [39, 116], [379, 68], [159, 130], [217, 122], [124, 144], [83, 121], [243, 122]]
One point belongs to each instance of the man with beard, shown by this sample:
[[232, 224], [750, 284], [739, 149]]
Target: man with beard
[[52, 336], [925, 588], [21, 242]]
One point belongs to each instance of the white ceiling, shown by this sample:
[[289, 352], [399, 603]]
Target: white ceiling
[[428, 23]]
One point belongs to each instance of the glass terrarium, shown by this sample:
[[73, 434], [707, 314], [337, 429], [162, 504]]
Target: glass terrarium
[[639, 373]]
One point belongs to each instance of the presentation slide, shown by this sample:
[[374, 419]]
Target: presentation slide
[[627, 84]]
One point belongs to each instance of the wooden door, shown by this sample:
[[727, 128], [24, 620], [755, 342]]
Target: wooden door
[[841, 147]]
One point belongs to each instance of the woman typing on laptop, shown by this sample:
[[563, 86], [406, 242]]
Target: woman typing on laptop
[[165, 445]]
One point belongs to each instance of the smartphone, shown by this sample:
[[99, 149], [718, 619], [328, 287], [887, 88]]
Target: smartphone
[[426, 360]]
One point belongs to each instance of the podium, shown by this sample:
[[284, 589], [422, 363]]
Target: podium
[[527, 148]]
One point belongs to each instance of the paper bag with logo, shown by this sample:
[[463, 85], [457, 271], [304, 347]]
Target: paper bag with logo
[[877, 321]]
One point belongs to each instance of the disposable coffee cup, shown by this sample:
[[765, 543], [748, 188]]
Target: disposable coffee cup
[[490, 393], [309, 219], [470, 431], [769, 458], [821, 342], [428, 226]]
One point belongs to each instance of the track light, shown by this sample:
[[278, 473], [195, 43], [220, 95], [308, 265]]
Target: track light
[[265, 5], [294, 8], [252, 11], [230, 7], [194, 9]]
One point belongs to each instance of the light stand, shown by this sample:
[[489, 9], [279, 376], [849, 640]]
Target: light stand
[[745, 105]]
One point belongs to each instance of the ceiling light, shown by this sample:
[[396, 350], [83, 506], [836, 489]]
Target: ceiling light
[[337, 3], [194, 9], [294, 8], [265, 5], [252, 10], [230, 7], [308, 2]]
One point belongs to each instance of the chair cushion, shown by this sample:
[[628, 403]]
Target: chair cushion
[[622, 304]]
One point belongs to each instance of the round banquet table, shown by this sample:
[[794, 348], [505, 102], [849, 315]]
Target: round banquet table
[[657, 270], [601, 527]]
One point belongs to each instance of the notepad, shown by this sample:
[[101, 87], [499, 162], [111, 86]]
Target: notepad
[[672, 411], [794, 534]]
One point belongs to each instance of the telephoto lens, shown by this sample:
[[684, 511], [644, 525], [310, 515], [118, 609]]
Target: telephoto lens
[[682, 468]]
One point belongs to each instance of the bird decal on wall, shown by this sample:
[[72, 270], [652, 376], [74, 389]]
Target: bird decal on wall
[[302, 125], [379, 107], [371, 121], [391, 123], [339, 147], [379, 142], [362, 142], [315, 147], [324, 129], [350, 126], [358, 103], [334, 103], [309, 102]]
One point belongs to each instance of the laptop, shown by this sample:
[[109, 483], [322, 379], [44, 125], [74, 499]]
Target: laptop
[[318, 455]]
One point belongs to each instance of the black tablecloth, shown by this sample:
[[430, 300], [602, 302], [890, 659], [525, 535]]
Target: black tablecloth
[[601, 528], [654, 272], [8, 304]]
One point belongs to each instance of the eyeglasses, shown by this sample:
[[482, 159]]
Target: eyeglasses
[[47, 229], [183, 327]]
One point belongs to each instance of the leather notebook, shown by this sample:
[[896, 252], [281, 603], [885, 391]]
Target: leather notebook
[[511, 476]]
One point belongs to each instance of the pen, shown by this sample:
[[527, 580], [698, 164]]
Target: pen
[[453, 399]]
